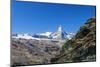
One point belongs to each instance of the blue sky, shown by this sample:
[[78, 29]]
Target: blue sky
[[33, 17]]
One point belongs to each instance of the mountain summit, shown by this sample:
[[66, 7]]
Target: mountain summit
[[61, 34]]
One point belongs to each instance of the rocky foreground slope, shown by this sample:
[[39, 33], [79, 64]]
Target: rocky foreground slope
[[31, 51], [80, 48]]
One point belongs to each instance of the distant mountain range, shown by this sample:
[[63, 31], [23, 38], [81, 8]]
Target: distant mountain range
[[60, 34]]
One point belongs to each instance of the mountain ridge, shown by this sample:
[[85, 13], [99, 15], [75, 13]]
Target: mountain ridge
[[59, 34], [80, 48]]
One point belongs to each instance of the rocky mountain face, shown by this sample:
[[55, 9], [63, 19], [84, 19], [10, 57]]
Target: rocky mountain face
[[32, 51], [80, 48]]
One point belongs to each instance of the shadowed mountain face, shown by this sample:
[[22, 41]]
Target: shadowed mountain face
[[80, 48]]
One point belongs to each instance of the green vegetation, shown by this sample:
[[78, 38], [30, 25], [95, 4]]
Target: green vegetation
[[69, 44]]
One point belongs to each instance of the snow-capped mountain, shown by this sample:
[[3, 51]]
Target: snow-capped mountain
[[60, 34], [24, 36], [46, 34]]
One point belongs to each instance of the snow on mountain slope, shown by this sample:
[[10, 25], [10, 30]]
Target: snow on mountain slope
[[70, 35], [24, 36], [27, 36], [41, 36], [46, 34]]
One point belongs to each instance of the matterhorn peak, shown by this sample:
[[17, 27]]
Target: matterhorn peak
[[59, 28]]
